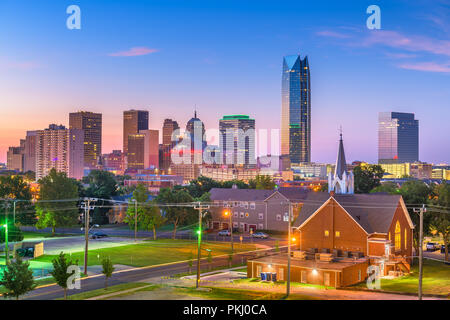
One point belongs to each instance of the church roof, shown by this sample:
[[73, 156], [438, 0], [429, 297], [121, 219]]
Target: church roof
[[341, 165]]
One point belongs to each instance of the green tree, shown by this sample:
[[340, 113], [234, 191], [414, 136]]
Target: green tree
[[201, 185], [60, 271], [51, 213], [262, 182], [102, 185], [140, 195], [107, 270], [238, 183], [17, 279], [176, 215], [388, 187], [415, 193], [367, 177], [15, 187], [440, 212]]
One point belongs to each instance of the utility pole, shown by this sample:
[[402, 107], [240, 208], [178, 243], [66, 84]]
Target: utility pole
[[200, 209], [135, 220], [420, 211], [6, 233], [87, 207], [14, 212], [288, 282]]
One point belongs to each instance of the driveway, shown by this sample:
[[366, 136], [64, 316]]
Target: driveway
[[77, 243]]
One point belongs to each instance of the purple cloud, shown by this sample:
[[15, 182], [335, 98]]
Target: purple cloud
[[133, 52], [19, 65], [426, 66]]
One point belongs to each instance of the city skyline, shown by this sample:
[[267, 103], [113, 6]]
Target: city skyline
[[228, 72]]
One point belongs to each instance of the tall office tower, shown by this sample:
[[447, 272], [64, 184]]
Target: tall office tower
[[14, 159], [151, 148], [133, 122], [398, 137], [195, 131], [91, 124], [29, 157], [168, 128], [135, 155], [237, 140], [60, 148], [296, 110]]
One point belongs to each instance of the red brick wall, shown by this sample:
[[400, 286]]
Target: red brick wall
[[333, 218], [400, 216]]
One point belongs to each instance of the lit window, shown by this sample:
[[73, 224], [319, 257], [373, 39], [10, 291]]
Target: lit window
[[406, 238], [398, 237], [247, 215], [327, 233], [338, 234]]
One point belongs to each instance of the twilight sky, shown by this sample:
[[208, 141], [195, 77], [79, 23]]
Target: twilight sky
[[225, 57]]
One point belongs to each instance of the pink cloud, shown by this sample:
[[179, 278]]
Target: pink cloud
[[332, 34], [133, 52], [19, 65], [426, 66], [410, 43]]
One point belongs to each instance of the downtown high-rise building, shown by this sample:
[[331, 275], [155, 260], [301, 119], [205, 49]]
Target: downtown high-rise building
[[296, 110], [133, 122], [398, 137], [29, 156], [91, 124], [237, 140], [168, 128], [60, 148], [143, 150]]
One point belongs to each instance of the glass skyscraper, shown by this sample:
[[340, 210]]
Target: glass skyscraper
[[296, 110], [398, 137]]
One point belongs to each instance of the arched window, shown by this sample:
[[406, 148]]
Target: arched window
[[406, 238], [398, 237]]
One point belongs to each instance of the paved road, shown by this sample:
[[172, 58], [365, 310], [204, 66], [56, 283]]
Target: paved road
[[133, 275]]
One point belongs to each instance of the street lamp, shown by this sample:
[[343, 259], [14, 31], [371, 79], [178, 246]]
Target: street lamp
[[6, 243], [227, 213]]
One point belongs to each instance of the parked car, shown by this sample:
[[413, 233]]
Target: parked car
[[224, 233], [98, 235], [432, 246], [260, 235], [443, 248]]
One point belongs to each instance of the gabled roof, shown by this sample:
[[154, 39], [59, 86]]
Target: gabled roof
[[223, 194], [374, 212]]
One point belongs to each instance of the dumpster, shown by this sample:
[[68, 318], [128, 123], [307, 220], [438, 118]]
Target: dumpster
[[274, 277], [263, 276]]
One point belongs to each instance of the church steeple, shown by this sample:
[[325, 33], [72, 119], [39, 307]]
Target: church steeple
[[342, 181]]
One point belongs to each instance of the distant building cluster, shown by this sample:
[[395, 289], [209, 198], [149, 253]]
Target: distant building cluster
[[179, 156]]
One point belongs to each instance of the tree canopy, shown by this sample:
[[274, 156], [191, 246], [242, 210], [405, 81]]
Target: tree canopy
[[367, 177], [51, 212]]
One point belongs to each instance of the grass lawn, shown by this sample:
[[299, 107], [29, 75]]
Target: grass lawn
[[236, 294], [101, 292], [436, 279], [152, 252], [35, 234], [264, 284]]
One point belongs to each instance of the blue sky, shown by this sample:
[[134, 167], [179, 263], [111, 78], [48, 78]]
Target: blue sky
[[225, 57]]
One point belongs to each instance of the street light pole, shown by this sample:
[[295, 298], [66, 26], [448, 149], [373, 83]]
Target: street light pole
[[200, 209], [6, 242], [14, 212], [135, 220], [288, 283], [87, 207], [420, 211]]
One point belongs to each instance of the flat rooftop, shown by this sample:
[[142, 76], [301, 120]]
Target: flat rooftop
[[339, 265]]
